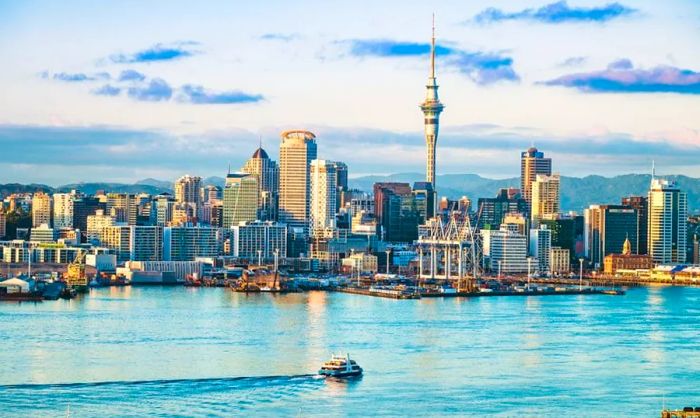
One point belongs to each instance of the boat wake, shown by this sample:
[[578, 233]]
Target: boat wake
[[207, 396]]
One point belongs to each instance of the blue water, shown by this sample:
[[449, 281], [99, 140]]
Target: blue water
[[209, 352]]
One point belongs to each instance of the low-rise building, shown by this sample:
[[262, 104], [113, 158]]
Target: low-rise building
[[363, 262], [626, 261]]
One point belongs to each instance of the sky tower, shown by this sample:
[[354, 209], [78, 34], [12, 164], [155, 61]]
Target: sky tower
[[431, 108]]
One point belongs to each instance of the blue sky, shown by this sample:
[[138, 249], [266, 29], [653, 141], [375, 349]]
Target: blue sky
[[126, 90]]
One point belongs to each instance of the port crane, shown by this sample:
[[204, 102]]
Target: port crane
[[453, 247], [75, 275]]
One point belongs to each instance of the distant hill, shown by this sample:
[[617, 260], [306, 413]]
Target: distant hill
[[7, 189], [577, 193], [161, 184], [214, 181], [91, 188]]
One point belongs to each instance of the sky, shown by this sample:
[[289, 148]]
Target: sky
[[121, 91]]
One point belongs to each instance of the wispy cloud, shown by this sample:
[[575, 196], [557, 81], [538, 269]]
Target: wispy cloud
[[276, 36], [558, 12], [156, 90], [158, 52], [482, 67], [75, 77], [107, 90], [622, 77], [573, 62], [199, 95], [131, 75]]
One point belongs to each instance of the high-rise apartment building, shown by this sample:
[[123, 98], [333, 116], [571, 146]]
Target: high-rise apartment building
[[95, 224], [188, 190], [545, 198], [3, 224], [134, 243], [41, 209], [122, 206], [267, 237], [532, 163], [162, 209], [667, 229], [240, 199], [63, 210], [190, 242], [506, 250], [84, 206], [540, 247], [267, 173], [324, 193], [297, 150], [641, 204], [606, 229]]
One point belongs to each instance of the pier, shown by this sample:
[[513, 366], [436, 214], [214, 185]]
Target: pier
[[392, 293]]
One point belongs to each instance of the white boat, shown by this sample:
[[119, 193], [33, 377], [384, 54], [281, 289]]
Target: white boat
[[340, 366]]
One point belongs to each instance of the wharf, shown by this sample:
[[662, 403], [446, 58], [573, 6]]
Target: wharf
[[401, 295], [526, 293], [390, 295]]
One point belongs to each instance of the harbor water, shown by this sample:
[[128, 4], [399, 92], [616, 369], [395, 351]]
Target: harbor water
[[152, 351]]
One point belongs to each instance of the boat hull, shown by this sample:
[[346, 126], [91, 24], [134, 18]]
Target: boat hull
[[340, 374]]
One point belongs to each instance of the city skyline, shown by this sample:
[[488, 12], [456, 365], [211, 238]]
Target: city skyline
[[201, 94]]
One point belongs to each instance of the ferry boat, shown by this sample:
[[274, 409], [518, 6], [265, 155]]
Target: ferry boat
[[340, 366]]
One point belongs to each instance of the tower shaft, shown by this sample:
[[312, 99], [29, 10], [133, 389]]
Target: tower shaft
[[431, 108]]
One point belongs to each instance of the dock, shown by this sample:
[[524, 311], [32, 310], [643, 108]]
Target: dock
[[399, 294], [390, 294]]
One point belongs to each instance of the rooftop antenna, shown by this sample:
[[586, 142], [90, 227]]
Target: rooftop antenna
[[432, 51], [229, 169], [653, 170], [260, 141]]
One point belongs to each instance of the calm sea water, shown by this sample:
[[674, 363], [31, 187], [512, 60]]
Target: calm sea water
[[197, 352]]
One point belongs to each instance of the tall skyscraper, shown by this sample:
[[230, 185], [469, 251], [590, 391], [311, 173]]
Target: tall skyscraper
[[267, 173], [606, 229], [667, 229], [397, 214], [240, 199], [324, 193], [41, 209], [641, 204], [545, 198], [3, 223], [63, 210], [540, 246], [122, 206], [84, 206], [431, 108], [187, 189], [297, 150], [341, 170], [532, 163], [425, 199], [493, 209]]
